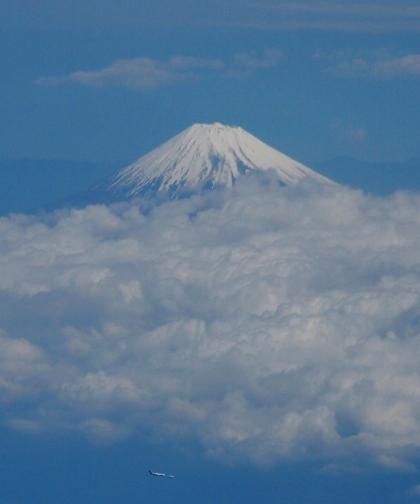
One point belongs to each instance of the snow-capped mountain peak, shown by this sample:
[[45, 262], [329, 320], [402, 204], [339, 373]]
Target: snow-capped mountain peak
[[207, 156]]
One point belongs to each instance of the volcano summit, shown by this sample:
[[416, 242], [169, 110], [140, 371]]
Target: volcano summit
[[206, 156]]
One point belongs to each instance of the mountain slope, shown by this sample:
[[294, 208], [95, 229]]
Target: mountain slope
[[207, 156]]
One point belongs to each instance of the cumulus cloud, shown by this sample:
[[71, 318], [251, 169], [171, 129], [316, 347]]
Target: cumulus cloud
[[266, 323], [148, 73], [21, 362]]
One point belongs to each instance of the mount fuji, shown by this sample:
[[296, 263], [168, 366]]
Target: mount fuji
[[207, 156]]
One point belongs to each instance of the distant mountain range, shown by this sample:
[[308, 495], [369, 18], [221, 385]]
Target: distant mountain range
[[203, 156]]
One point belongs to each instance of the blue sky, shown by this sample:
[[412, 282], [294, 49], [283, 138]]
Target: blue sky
[[262, 345], [108, 81]]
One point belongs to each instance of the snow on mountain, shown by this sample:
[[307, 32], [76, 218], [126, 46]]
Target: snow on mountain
[[207, 156]]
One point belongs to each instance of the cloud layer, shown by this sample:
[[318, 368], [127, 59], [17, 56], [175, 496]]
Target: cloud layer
[[142, 74], [147, 73], [265, 323]]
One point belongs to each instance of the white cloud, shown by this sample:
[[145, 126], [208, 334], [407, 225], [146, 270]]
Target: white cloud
[[147, 73], [269, 58], [382, 67], [404, 65], [139, 73], [266, 323], [23, 368]]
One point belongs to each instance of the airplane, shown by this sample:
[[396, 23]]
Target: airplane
[[160, 475]]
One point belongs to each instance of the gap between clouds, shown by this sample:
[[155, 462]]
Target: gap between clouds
[[147, 73], [265, 323]]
